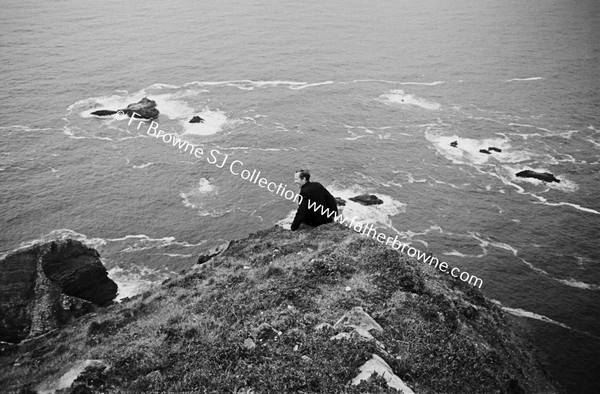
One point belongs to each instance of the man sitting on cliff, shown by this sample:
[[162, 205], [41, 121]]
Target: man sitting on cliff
[[317, 205]]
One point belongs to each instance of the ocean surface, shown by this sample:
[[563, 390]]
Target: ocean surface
[[368, 95]]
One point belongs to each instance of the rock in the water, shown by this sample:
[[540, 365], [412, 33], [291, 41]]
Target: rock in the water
[[340, 201], [454, 144], [543, 176], [485, 151], [197, 119], [367, 199], [377, 365], [357, 317], [104, 112], [45, 285], [495, 149], [145, 108]]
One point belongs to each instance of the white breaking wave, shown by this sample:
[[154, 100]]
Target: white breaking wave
[[400, 97], [423, 83], [524, 79]]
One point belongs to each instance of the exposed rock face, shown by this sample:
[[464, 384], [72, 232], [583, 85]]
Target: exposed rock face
[[340, 201], [543, 176], [367, 199], [45, 285], [377, 365], [69, 374], [145, 108], [197, 119], [203, 258]]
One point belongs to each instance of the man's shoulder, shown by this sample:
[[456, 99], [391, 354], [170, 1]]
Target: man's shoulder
[[313, 187]]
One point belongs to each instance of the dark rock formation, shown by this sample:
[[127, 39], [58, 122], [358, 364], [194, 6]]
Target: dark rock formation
[[454, 144], [367, 199], [485, 151], [340, 201], [494, 149], [197, 119], [104, 112], [145, 108], [46, 285], [543, 176]]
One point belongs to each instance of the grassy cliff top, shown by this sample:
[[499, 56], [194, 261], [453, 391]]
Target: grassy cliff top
[[246, 320]]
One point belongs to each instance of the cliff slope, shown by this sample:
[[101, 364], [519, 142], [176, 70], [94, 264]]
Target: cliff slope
[[276, 313]]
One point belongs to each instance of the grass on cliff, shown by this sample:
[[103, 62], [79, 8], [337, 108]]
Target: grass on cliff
[[195, 333]]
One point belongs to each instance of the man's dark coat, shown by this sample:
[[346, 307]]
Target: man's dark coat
[[314, 192]]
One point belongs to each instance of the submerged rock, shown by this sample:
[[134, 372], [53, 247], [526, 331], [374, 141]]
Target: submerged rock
[[543, 176], [367, 199], [45, 285]]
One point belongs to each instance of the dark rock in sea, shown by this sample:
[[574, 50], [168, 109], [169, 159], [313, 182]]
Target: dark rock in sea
[[484, 151], [46, 285], [543, 176], [495, 149], [367, 199], [340, 201], [197, 119], [104, 112], [454, 144], [144, 108]]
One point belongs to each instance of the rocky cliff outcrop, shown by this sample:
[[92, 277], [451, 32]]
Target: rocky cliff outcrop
[[44, 286], [323, 310]]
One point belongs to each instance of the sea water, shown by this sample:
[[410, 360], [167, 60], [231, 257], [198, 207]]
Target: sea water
[[367, 95]]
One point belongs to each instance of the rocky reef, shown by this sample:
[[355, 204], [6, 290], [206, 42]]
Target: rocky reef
[[323, 310], [145, 108], [542, 176], [46, 285]]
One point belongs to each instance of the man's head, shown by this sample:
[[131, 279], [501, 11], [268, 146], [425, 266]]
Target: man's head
[[301, 177]]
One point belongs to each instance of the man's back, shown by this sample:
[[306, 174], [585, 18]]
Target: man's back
[[317, 206]]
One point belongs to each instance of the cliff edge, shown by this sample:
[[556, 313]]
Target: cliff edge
[[312, 311], [44, 286]]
